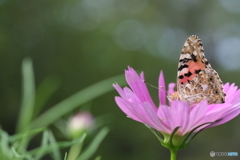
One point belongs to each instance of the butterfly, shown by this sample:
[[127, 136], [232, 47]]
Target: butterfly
[[196, 80]]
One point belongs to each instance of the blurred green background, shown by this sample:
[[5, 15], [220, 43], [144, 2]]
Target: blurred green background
[[81, 42]]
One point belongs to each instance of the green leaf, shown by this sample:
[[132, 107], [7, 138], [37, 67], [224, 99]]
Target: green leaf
[[65, 156], [103, 120], [75, 100], [16, 155], [20, 157], [98, 158], [29, 133], [28, 98], [22, 139], [49, 148], [94, 145], [74, 151], [55, 150], [5, 144], [44, 91], [44, 144], [61, 124]]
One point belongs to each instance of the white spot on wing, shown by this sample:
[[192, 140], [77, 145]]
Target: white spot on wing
[[185, 70], [195, 52], [185, 56], [204, 86]]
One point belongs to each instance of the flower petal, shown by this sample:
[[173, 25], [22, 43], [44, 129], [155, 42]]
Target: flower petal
[[233, 98], [229, 115], [127, 109], [162, 89], [196, 114], [176, 116], [156, 122], [119, 89], [213, 116], [171, 88], [138, 86], [229, 90]]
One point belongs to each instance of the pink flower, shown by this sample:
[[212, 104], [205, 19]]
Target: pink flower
[[179, 117]]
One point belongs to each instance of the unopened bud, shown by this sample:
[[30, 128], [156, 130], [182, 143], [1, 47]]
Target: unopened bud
[[80, 123]]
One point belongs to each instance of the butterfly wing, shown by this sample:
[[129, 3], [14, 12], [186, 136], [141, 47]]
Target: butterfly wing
[[196, 80]]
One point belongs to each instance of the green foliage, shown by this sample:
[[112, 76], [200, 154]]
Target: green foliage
[[94, 145], [28, 94], [11, 144], [31, 124]]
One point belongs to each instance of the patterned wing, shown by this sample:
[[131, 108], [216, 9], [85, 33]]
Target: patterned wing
[[196, 80]]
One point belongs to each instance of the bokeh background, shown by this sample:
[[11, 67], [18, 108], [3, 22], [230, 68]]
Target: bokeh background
[[80, 42]]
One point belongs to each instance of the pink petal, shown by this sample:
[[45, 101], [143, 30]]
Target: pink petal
[[130, 96], [197, 113], [232, 113], [229, 90], [139, 112], [138, 86], [127, 109], [162, 89], [171, 88], [155, 121], [127, 94], [164, 110], [225, 87], [119, 89], [233, 98], [177, 115], [213, 116]]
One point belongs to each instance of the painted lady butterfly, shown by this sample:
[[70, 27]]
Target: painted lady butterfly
[[196, 80]]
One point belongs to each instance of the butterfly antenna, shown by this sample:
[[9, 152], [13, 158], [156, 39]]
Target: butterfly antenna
[[151, 85], [161, 87]]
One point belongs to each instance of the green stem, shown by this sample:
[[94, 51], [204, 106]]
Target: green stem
[[173, 154]]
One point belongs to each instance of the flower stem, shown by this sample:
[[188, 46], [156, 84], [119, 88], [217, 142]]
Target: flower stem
[[173, 154]]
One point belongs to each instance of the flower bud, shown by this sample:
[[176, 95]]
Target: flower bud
[[80, 123]]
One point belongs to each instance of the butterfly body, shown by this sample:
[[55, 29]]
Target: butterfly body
[[196, 80]]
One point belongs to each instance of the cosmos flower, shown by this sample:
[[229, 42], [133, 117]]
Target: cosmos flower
[[178, 122]]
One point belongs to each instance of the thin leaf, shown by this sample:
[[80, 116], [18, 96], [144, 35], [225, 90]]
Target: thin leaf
[[61, 124], [23, 143], [103, 120], [190, 135], [18, 136], [65, 156], [55, 150], [170, 142], [74, 151], [44, 91], [24, 140], [75, 100], [18, 156], [94, 145], [28, 88], [4, 143], [98, 158], [44, 144], [44, 141], [49, 149]]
